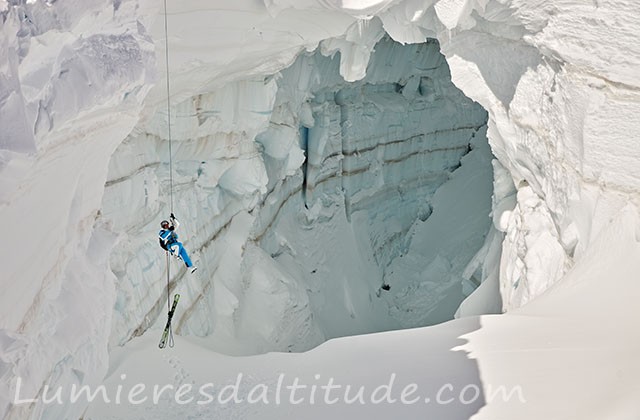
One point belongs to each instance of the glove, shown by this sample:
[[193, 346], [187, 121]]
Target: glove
[[172, 216]]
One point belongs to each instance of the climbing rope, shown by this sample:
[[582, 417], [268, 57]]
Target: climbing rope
[[170, 341], [166, 55]]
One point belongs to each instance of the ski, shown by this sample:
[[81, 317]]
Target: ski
[[167, 328]]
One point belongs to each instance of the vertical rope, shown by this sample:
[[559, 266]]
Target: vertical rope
[[168, 281], [170, 340], [166, 55]]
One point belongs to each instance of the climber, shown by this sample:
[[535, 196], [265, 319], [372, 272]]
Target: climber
[[169, 242]]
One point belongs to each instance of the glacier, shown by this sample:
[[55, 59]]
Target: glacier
[[317, 159]]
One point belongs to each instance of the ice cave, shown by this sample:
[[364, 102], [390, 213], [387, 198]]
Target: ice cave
[[346, 186], [397, 208]]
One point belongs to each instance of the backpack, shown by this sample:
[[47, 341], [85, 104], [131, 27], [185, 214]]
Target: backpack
[[162, 244]]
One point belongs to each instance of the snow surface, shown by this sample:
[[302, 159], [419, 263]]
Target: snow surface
[[566, 355], [83, 184]]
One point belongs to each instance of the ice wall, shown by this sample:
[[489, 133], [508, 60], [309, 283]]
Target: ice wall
[[381, 153], [73, 78], [300, 196], [561, 102]]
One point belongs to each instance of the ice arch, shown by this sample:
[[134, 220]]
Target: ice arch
[[331, 190]]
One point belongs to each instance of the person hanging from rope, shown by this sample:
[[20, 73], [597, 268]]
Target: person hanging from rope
[[169, 242]]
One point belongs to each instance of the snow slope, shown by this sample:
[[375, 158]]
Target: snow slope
[[78, 88], [569, 354]]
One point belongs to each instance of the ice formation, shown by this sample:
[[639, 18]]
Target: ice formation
[[328, 186], [316, 158]]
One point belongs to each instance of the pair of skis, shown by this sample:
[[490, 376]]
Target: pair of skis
[[167, 334]]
